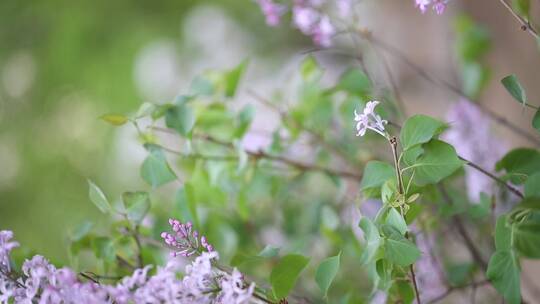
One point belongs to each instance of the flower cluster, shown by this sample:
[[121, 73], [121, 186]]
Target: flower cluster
[[185, 240], [272, 11], [471, 135], [370, 120], [308, 16], [438, 5], [6, 245], [42, 282]]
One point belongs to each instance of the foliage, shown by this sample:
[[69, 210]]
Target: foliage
[[230, 193]]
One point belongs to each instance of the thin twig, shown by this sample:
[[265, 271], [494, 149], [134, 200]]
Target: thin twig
[[393, 84], [454, 288], [493, 177], [10, 277], [260, 154], [285, 117], [469, 243], [525, 25]]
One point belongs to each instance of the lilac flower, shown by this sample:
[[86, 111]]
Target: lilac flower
[[202, 283], [185, 239], [438, 5], [471, 135], [305, 18], [273, 11], [323, 32], [6, 245], [233, 290], [369, 120]]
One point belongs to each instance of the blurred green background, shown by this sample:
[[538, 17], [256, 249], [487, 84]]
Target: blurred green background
[[65, 63]]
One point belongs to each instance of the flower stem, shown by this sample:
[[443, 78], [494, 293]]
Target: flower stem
[[399, 177]]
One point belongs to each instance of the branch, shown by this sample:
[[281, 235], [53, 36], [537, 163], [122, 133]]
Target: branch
[[469, 243], [454, 288], [393, 144], [287, 118], [262, 154], [494, 177], [481, 170], [525, 25]]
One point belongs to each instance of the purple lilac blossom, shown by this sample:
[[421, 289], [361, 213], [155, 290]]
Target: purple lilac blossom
[[272, 11], [6, 245], [471, 135], [185, 239], [202, 283], [437, 5], [307, 16]]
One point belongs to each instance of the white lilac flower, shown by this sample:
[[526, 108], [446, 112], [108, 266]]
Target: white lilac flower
[[369, 120], [471, 135]]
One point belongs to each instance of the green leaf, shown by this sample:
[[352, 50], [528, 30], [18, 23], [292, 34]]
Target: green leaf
[[115, 119], [527, 238], [512, 85], [285, 274], [394, 219], [397, 249], [181, 118], [420, 129], [373, 240], [145, 109], [375, 174], [326, 272], [504, 273], [232, 78], [201, 85], [80, 231], [536, 120], [104, 248], [98, 198], [438, 161], [532, 185], [269, 252], [519, 164], [503, 234], [472, 41], [355, 81], [474, 78], [310, 70], [244, 120], [137, 205], [155, 170]]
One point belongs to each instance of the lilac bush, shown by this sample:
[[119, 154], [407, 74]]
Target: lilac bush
[[202, 282], [286, 214]]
